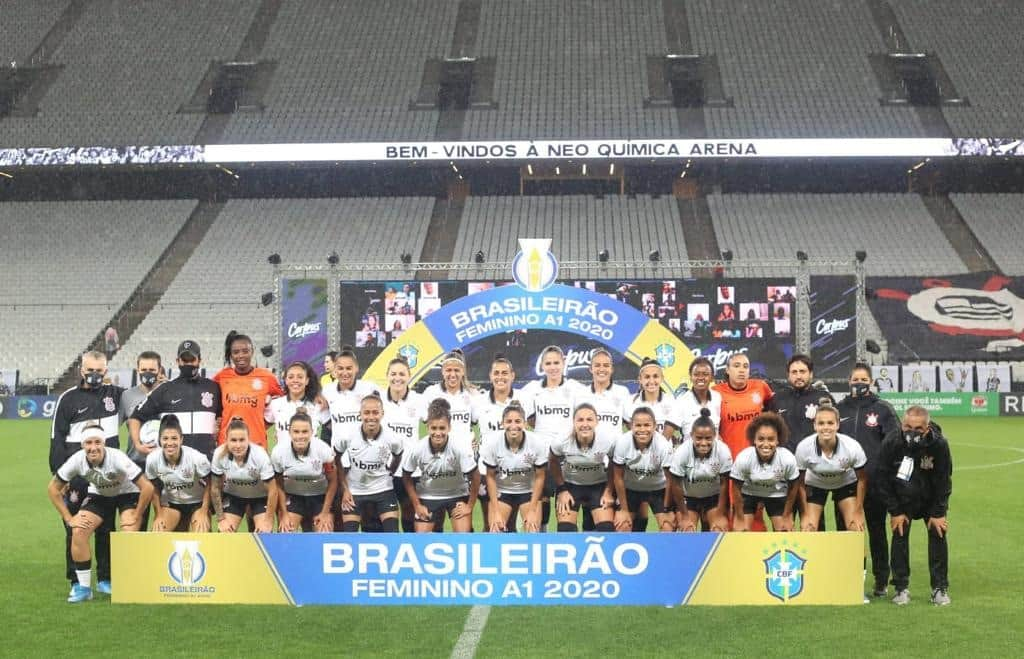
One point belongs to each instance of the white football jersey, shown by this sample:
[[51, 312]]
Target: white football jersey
[[644, 470], [829, 473], [585, 466], [402, 417], [515, 469], [552, 409], [442, 473], [688, 410], [770, 480], [114, 476], [461, 403], [281, 410], [368, 460], [701, 477], [610, 405], [247, 480], [487, 411], [182, 483], [344, 405], [304, 475], [664, 409]]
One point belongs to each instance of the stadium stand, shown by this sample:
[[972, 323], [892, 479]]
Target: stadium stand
[[219, 288], [996, 221], [630, 228], [24, 24], [897, 232], [67, 267]]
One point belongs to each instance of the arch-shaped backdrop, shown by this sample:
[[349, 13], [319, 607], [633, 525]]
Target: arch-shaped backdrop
[[559, 307]]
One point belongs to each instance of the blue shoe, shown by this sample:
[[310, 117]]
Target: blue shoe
[[103, 587], [79, 593]]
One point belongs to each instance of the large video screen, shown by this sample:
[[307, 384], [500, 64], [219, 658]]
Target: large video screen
[[715, 318]]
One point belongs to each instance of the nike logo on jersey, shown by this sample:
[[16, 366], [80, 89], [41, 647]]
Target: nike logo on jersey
[[844, 418], [783, 410], [175, 401], [83, 410]]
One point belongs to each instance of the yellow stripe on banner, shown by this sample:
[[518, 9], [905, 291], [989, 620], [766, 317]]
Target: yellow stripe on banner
[[700, 573], [191, 568], [417, 345], [657, 342], [784, 568]]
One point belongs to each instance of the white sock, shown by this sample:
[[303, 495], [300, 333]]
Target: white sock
[[84, 578]]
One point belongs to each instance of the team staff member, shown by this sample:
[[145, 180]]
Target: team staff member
[[700, 396], [797, 402], [149, 373], [765, 474], [915, 480], [88, 403], [639, 462], [870, 420], [116, 485], [448, 480], [831, 462], [700, 485], [367, 459], [579, 467], [402, 408], [245, 389], [515, 459], [304, 469], [243, 482], [181, 477], [195, 400]]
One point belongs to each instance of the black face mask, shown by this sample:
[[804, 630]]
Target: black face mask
[[913, 438], [93, 379], [147, 379], [860, 389], [189, 371]]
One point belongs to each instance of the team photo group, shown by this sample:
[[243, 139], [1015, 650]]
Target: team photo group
[[351, 456]]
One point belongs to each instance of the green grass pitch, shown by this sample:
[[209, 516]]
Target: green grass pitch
[[986, 585]]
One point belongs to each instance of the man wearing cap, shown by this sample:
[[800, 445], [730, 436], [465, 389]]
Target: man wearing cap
[[88, 404], [194, 399]]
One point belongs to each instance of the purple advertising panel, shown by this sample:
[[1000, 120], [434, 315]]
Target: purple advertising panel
[[303, 321]]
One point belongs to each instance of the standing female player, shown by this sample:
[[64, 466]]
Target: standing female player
[[609, 399], [304, 471], [402, 408], [639, 462], [345, 396], [181, 476], [245, 389], [367, 460], [448, 480], [765, 474], [515, 460], [303, 392], [832, 462], [654, 398], [700, 396], [243, 482], [579, 467], [459, 393], [700, 478], [116, 485]]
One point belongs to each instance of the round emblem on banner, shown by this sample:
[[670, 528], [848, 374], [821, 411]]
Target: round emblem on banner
[[534, 268]]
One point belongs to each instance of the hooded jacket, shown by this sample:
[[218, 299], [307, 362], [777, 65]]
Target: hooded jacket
[[925, 493]]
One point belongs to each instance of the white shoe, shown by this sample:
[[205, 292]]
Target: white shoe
[[902, 597]]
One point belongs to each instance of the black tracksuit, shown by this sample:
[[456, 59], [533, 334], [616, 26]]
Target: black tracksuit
[[924, 495], [76, 408], [794, 405], [197, 404], [870, 420]]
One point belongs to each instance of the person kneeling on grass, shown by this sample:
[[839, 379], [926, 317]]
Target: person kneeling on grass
[[116, 485]]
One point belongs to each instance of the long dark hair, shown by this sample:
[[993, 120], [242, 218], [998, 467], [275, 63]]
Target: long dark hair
[[312, 381]]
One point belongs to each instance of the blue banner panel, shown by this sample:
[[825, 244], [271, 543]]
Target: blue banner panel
[[28, 407]]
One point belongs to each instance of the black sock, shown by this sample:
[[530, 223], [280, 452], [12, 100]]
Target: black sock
[[640, 525], [604, 527], [566, 527], [588, 519], [350, 527], [389, 525], [408, 526], [83, 565]]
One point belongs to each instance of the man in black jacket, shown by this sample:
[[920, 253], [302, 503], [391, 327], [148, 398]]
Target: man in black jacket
[[915, 478], [869, 419]]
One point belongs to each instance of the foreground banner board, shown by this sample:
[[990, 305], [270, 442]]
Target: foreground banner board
[[490, 569]]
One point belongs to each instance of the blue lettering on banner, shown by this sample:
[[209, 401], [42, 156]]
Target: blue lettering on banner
[[560, 307], [463, 569]]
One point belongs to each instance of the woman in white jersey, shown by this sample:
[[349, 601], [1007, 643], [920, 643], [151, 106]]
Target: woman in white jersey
[[458, 392], [449, 479], [243, 482], [832, 462], [515, 460], [700, 396], [765, 474], [653, 397], [639, 462], [402, 408], [579, 467], [302, 391], [345, 396], [609, 399], [304, 470], [700, 478], [116, 486], [367, 459], [181, 476]]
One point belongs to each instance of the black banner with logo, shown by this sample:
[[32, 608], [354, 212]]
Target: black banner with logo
[[833, 323], [977, 316], [1011, 404]]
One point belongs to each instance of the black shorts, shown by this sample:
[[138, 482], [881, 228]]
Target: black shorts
[[107, 508], [186, 509], [514, 500], [588, 496], [439, 507], [307, 506], [399, 487], [236, 505], [378, 504], [774, 506], [701, 504], [654, 499], [817, 495]]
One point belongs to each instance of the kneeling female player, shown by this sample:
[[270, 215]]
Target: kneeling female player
[[449, 480], [579, 467], [639, 462], [765, 474], [515, 461], [832, 462], [243, 482], [700, 477], [304, 471], [181, 476]]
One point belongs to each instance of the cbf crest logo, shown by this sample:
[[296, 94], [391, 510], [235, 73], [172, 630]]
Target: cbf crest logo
[[187, 566], [666, 355], [411, 354], [534, 268], [784, 571]]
